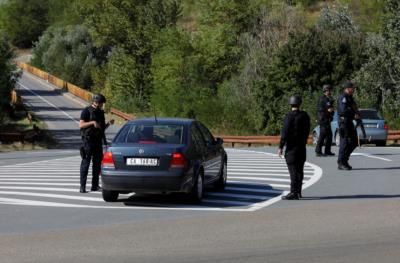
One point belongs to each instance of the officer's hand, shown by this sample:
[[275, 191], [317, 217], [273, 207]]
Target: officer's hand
[[111, 122], [357, 116], [330, 109], [280, 153], [96, 125]]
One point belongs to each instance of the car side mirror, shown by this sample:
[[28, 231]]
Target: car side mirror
[[219, 141]]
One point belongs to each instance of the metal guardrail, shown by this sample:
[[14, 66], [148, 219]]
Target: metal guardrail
[[121, 114], [394, 135]]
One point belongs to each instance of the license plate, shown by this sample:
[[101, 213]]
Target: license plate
[[142, 161]]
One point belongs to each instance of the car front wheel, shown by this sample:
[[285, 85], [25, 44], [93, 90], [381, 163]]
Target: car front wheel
[[222, 178], [110, 196]]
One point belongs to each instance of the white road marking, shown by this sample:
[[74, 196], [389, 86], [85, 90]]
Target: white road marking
[[371, 156], [259, 179], [251, 178], [266, 174], [253, 190], [55, 189], [84, 198], [237, 196], [259, 184], [48, 102]]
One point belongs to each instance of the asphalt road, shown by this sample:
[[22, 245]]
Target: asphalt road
[[345, 216]]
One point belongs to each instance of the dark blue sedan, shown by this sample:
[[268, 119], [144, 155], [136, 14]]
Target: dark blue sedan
[[163, 156]]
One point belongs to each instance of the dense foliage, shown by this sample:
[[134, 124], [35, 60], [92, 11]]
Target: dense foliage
[[7, 75], [230, 63]]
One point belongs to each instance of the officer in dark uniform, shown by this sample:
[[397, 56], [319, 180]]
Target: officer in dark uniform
[[325, 116], [348, 135], [93, 126], [296, 129]]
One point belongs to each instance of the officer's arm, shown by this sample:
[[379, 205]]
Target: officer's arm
[[307, 125], [86, 124], [284, 133]]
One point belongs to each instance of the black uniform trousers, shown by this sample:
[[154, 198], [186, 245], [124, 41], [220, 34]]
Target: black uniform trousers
[[325, 135], [348, 141], [295, 160], [93, 152]]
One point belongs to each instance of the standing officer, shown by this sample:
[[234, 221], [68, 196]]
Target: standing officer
[[348, 135], [325, 116], [296, 129], [93, 126]]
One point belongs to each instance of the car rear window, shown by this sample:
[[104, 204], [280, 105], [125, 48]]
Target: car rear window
[[150, 134], [370, 115]]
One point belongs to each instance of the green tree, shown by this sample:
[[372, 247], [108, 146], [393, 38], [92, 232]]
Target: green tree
[[378, 79], [247, 98], [68, 53], [128, 28], [24, 20], [7, 75]]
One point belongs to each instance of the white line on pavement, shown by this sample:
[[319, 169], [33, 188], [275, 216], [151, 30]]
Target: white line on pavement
[[48, 102], [372, 156], [84, 198]]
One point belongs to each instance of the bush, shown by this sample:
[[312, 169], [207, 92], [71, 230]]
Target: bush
[[66, 52], [24, 20]]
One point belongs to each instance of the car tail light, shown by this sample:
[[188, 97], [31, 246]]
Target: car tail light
[[178, 160], [386, 127], [108, 160]]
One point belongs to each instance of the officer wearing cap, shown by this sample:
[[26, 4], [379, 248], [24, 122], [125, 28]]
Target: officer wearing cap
[[348, 135], [92, 125], [325, 116], [294, 135]]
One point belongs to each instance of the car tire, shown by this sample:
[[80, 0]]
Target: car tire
[[222, 177], [196, 194], [381, 143], [110, 196], [314, 138]]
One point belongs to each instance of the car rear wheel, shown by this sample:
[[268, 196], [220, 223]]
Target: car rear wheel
[[110, 196], [196, 195], [222, 178]]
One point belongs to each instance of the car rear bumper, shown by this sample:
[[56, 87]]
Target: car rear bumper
[[174, 180]]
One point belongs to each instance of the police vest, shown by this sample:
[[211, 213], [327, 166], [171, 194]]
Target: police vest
[[92, 133]]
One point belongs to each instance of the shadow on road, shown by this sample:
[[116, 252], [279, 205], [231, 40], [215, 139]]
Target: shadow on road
[[350, 197], [66, 139], [376, 168]]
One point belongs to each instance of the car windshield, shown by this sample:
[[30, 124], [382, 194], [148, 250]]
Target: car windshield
[[370, 115], [150, 134]]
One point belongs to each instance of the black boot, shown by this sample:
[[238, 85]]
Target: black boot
[[82, 189], [329, 154], [291, 196], [342, 166], [95, 188]]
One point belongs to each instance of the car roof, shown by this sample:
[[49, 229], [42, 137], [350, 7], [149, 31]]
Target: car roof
[[179, 121]]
